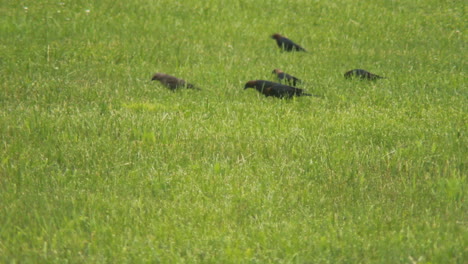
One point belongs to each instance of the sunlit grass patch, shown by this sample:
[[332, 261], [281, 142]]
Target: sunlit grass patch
[[151, 107]]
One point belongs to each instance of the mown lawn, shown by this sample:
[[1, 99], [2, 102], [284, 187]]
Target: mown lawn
[[100, 165]]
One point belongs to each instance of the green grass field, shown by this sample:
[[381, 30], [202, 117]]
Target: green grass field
[[100, 165]]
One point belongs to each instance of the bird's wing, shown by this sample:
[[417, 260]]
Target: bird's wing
[[175, 82], [283, 90], [290, 77], [288, 43]]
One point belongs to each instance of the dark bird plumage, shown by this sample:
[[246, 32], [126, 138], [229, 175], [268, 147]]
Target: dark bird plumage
[[363, 74], [279, 90], [172, 82], [289, 79], [286, 44]]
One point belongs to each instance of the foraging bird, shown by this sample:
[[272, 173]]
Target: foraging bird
[[363, 74], [286, 44], [279, 90], [172, 82], [291, 80]]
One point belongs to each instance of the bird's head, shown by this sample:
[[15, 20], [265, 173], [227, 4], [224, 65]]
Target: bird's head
[[276, 36], [250, 84], [277, 71], [157, 76]]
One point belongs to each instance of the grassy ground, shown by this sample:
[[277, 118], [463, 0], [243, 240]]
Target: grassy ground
[[100, 165]]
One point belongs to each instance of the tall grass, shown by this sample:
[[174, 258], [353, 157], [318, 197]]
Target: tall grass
[[99, 164]]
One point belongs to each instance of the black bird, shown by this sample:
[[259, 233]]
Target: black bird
[[286, 44], [279, 90], [291, 80], [363, 74], [172, 82]]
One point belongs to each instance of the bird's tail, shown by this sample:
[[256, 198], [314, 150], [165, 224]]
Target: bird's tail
[[193, 87]]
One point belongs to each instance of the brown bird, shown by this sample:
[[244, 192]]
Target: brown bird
[[363, 74], [291, 80], [172, 82], [279, 90], [286, 44]]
